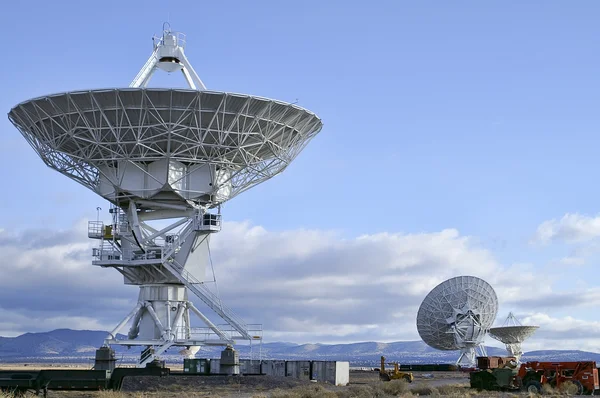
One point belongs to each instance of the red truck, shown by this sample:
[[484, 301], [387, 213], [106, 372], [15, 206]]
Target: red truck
[[583, 374], [531, 376]]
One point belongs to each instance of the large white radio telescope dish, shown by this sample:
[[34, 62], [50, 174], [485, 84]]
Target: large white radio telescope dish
[[456, 315], [166, 159]]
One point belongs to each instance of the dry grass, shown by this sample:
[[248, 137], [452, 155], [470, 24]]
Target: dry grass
[[14, 394], [548, 390], [362, 392], [568, 388], [152, 394], [312, 391], [395, 387], [121, 394], [112, 394], [455, 390], [374, 390], [458, 390], [424, 389], [368, 387]]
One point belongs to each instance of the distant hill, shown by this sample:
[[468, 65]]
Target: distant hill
[[561, 355], [59, 342], [66, 345]]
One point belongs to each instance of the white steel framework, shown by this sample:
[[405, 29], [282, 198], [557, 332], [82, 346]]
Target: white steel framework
[[209, 146], [169, 155], [512, 333], [456, 315]]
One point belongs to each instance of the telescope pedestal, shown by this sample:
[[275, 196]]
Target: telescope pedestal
[[468, 356], [159, 262]]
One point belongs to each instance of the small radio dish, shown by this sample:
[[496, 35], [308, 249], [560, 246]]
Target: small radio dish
[[512, 334]]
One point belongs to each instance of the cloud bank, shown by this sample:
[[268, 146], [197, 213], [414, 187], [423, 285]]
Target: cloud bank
[[302, 285]]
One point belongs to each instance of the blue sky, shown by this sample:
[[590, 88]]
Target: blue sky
[[475, 116], [435, 116]]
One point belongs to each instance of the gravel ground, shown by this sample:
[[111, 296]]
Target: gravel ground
[[253, 386], [199, 383], [434, 379], [248, 386]]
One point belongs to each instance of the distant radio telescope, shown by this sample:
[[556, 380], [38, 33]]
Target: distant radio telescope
[[456, 315], [166, 159], [512, 333]]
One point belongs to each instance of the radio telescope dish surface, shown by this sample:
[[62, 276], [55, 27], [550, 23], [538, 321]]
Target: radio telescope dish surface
[[512, 334], [171, 144], [457, 314]]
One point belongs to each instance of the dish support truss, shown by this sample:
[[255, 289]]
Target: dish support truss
[[468, 334], [160, 261]]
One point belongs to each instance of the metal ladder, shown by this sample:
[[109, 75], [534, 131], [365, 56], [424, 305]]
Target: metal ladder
[[201, 291], [150, 353], [209, 298]]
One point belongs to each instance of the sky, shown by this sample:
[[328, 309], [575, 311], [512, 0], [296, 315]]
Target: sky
[[459, 138]]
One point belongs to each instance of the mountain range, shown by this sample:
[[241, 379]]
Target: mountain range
[[76, 346]]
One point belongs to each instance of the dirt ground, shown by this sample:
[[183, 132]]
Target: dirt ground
[[362, 384], [430, 378]]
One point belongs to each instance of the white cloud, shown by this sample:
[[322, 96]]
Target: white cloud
[[356, 283], [571, 228], [571, 261], [302, 285], [47, 281], [562, 333]]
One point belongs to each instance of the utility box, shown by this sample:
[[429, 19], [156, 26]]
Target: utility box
[[215, 366], [332, 372], [298, 369], [250, 366], [273, 368], [196, 366]]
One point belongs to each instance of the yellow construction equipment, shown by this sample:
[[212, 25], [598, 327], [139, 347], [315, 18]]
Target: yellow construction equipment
[[396, 374]]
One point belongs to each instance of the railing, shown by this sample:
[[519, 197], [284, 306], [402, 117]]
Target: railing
[[107, 252], [158, 253], [209, 298], [111, 253], [162, 246], [195, 285], [179, 38], [95, 229], [207, 334]]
